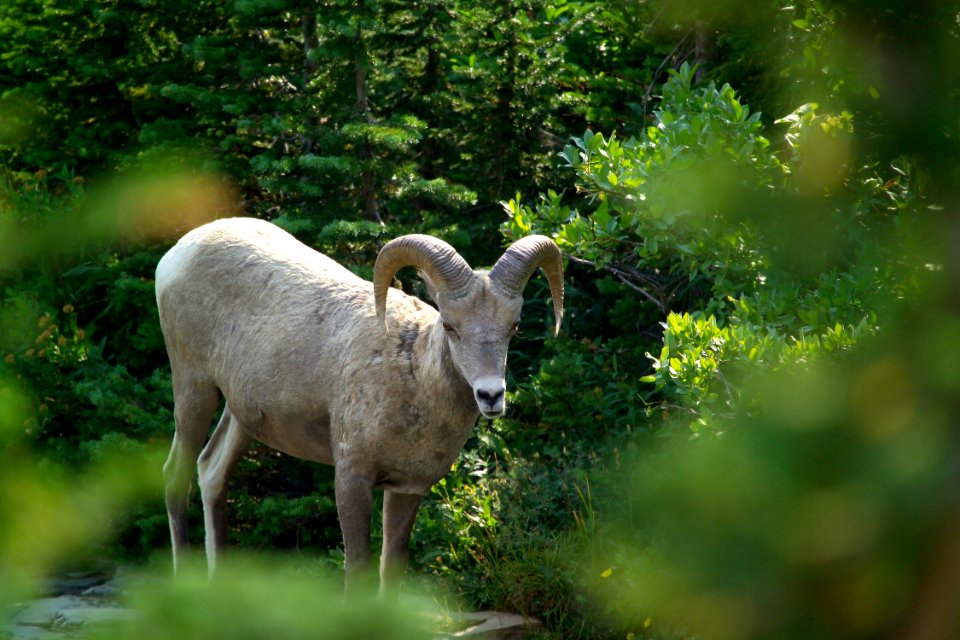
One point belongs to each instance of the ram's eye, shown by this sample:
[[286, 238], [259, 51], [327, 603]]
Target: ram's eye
[[516, 327], [448, 328]]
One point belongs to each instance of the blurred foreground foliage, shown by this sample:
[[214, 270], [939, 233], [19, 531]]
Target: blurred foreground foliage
[[262, 598], [745, 430]]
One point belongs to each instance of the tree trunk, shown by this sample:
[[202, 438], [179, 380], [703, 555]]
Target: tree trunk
[[505, 161], [431, 76], [702, 48], [308, 24], [368, 192]]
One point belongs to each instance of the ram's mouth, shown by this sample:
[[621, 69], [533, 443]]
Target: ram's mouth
[[490, 414]]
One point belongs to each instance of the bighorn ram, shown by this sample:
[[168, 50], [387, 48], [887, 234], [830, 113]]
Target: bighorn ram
[[315, 362]]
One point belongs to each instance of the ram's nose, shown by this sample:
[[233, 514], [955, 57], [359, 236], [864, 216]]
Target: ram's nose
[[489, 393]]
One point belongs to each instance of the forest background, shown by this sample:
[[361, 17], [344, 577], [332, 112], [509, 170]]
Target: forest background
[[747, 425]]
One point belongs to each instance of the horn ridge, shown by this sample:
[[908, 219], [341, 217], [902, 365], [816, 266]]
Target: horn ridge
[[521, 259], [434, 257]]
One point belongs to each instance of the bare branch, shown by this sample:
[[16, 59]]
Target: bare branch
[[627, 276]]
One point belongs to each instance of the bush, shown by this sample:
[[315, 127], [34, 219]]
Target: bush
[[682, 217], [499, 529]]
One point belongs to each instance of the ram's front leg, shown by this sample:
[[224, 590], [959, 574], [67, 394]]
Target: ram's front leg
[[354, 506], [399, 513]]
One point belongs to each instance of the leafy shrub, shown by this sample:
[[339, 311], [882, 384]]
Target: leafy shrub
[[658, 214], [681, 216], [702, 366], [496, 529]]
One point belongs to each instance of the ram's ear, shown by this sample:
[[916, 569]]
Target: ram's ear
[[432, 290]]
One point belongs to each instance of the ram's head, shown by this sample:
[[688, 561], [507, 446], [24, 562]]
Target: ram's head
[[479, 310]]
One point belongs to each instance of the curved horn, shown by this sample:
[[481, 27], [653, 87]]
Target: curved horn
[[437, 259], [521, 259]]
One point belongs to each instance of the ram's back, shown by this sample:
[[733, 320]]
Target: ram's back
[[244, 304]]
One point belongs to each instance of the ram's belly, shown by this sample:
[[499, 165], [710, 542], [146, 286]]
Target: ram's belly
[[310, 441], [304, 436]]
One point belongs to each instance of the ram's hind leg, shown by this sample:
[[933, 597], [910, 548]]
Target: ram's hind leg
[[217, 461], [194, 406]]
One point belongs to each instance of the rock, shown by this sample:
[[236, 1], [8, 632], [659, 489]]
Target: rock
[[29, 633], [43, 613], [107, 590], [91, 616], [58, 618], [496, 625], [74, 583], [129, 578]]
